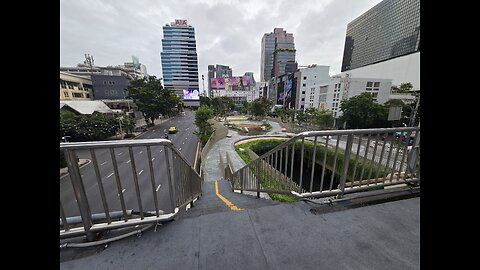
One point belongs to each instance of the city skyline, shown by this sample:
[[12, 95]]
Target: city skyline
[[227, 33]]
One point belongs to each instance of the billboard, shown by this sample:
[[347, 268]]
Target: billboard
[[191, 94], [228, 82], [217, 83]]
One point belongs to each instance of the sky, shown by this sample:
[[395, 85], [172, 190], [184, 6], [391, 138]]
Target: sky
[[227, 32]]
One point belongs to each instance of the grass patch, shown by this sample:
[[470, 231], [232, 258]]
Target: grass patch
[[243, 154], [264, 179]]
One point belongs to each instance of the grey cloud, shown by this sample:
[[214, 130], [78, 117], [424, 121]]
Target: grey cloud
[[227, 32]]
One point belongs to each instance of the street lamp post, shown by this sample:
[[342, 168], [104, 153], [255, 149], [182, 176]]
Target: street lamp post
[[203, 85]]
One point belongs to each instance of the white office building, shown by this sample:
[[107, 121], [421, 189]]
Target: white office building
[[308, 89], [344, 86]]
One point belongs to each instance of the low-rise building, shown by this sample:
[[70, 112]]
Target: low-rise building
[[75, 87]]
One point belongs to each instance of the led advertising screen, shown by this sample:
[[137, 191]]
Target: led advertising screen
[[191, 94]]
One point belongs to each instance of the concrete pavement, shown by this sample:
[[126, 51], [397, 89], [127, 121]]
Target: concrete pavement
[[270, 235]]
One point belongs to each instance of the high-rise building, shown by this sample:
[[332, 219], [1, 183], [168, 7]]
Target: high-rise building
[[217, 71], [277, 54], [388, 30], [179, 57]]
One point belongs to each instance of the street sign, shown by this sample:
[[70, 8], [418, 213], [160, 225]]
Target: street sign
[[394, 113]]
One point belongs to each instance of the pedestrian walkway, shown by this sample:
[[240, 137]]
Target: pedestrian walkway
[[226, 145], [227, 230], [267, 234]]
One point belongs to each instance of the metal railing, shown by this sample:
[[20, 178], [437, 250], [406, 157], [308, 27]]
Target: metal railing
[[334, 162], [127, 183]]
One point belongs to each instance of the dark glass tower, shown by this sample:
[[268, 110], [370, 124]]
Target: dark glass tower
[[179, 57], [388, 30], [277, 55]]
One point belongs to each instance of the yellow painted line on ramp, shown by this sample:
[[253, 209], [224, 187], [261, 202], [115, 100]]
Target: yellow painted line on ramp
[[196, 155], [232, 206]]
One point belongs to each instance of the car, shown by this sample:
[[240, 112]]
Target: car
[[172, 129]]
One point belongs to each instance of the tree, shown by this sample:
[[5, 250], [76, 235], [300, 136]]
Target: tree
[[205, 129], [283, 114], [152, 99], [128, 124], [404, 87], [204, 101], [290, 114], [221, 105], [323, 118], [89, 127], [310, 114], [363, 112], [245, 109], [260, 107]]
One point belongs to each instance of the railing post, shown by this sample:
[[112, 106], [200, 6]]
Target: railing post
[[169, 177], [413, 154], [241, 181], [346, 162], [80, 193]]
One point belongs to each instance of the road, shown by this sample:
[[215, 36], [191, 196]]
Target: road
[[184, 140]]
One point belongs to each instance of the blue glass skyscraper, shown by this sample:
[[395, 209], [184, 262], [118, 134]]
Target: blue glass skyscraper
[[179, 57]]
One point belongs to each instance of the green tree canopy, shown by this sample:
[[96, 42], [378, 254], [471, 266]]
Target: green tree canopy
[[152, 99], [88, 127], [323, 118], [261, 106], [221, 105], [205, 129], [363, 112]]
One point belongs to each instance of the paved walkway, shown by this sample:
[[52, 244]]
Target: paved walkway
[[270, 235], [212, 170]]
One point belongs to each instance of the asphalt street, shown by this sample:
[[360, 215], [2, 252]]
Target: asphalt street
[[184, 140]]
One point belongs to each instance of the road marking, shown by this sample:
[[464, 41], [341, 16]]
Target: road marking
[[129, 161], [120, 153], [110, 175], [196, 155], [103, 163], [153, 159], [232, 206], [158, 187], [140, 172]]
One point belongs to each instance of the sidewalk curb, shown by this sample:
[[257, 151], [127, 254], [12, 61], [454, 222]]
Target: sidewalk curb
[[62, 175], [148, 128]]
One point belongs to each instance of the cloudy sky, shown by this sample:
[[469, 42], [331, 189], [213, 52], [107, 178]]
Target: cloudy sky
[[228, 32]]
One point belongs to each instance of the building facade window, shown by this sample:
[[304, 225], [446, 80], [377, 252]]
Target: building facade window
[[65, 94]]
